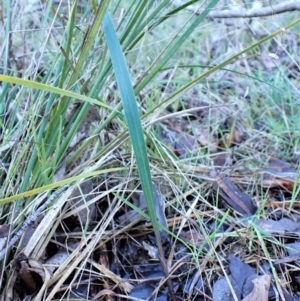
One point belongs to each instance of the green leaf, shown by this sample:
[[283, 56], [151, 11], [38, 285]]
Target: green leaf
[[132, 117]]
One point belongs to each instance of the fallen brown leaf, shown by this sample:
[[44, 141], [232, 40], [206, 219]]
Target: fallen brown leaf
[[239, 201], [261, 289], [284, 225]]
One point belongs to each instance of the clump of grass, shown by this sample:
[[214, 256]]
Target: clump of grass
[[67, 126]]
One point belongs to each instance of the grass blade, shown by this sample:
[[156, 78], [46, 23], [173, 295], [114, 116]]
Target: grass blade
[[132, 115], [135, 130]]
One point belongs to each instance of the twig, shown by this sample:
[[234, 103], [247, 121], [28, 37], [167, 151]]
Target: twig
[[280, 8], [31, 219], [257, 12]]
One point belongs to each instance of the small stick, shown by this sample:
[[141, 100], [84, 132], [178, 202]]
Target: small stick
[[285, 6]]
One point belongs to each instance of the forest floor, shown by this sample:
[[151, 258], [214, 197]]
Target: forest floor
[[223, 152]]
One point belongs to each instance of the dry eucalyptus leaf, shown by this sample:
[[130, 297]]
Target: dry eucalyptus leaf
[[281, 226], [233, 196], [56, 261], [25, 274], [222, 290], [240, 271], [261, 289], [31, 272]]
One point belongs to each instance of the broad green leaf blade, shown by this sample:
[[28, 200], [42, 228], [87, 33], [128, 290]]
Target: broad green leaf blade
[[132, 116]]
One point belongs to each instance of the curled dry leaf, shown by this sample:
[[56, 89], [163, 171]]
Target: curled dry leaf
[[37, 267], [239, 201], [27, 269], [261, 289], [25, 274]]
